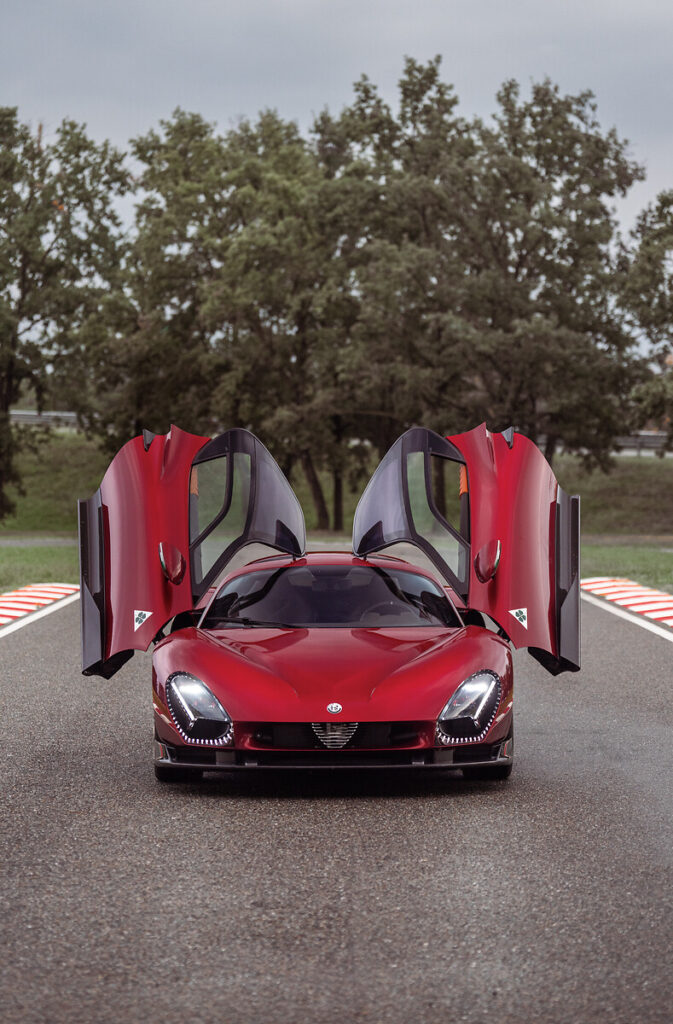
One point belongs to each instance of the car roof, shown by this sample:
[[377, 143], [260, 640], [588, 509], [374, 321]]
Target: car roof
[[328, 557]]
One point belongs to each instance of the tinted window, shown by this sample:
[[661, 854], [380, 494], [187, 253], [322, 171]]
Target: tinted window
[[218, 507], [419, 495], [238, 496], [437, 480], [331, 595]]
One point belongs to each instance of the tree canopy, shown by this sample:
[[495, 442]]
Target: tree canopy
[[648, 298], [329, 289], [60, 242]]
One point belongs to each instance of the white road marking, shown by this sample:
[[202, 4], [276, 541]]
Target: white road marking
[[635, 618]]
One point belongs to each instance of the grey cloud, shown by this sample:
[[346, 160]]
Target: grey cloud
[[121, 67]]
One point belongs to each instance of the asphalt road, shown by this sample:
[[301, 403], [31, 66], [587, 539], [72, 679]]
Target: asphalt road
[[324, 899]]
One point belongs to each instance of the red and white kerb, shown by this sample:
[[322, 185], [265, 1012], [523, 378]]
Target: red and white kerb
[[651, 604], [17, 603]]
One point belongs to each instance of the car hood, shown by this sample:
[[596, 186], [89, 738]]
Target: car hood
[[398, 674]]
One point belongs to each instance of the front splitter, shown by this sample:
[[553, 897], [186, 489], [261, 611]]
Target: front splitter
[[226, 761]]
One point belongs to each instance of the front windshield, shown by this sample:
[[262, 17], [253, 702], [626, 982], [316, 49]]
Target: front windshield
[[331, 595]]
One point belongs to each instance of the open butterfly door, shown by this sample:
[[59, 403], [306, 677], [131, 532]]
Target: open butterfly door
[[511, 547], [171, 512]]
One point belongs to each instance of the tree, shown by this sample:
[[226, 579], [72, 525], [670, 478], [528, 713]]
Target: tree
[[226, 311], [392, 268], [264, 305], [538, 327], [647, 276], [59, 253], [147, 356], [485, 269], [403, 264]]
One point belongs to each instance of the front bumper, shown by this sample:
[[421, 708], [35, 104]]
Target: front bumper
[[228, 759]]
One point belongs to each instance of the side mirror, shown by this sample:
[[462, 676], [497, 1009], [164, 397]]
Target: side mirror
[[487, 560], [173, 564]]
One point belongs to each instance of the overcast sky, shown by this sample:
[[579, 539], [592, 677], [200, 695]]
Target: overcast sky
[[120, 67]]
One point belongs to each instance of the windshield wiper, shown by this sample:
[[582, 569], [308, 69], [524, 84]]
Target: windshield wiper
[[242, 620]]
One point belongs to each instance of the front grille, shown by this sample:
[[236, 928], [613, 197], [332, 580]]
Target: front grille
[[365, 736], [334, 735]]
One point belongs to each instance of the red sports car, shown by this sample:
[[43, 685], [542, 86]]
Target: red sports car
[[266, 656]]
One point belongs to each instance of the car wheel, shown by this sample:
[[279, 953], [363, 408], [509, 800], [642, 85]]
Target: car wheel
[[486, 772], [166, 774]]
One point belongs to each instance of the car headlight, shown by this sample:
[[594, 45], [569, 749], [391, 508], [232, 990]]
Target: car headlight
[[196, 711], [469, 714]]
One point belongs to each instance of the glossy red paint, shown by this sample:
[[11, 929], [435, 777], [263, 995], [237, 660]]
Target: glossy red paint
[[137, 571], [145, 495], [516, 509], [169, 516], [513, 499], [291, 675]]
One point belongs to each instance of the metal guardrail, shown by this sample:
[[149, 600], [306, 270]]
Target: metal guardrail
[[31, 417], [642, 441]]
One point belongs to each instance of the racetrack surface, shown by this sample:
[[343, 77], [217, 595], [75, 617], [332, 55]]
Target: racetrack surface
[[330, 898]]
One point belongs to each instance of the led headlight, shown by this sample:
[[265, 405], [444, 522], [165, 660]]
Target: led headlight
[[197, 713], [468, 715]]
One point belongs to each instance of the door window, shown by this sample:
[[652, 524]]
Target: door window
[[419, 495], [434, 485], [219, 503]]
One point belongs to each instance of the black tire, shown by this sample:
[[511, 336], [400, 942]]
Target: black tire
[[488, 772], [166, 774]]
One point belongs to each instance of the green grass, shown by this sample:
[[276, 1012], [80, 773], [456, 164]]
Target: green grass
[[651, 565], [62, 469], [21, 566], [635, 497]]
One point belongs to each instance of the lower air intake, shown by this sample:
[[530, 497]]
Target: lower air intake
[[334, 735]]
